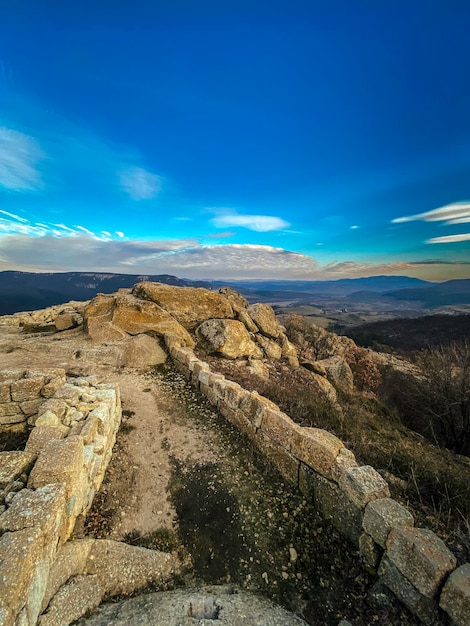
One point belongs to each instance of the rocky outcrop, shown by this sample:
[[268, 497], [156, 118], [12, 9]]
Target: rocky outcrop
[[228, 606], [265, 319], [188, 305], [117, 316], [61, 317], [229, 338]]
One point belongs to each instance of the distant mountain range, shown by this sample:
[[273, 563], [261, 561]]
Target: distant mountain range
[[27, 291]]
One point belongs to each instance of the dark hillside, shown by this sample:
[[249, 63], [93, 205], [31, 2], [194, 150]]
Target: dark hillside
[[410, 334]]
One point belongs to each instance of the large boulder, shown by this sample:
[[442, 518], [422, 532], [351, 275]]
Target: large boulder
[[115, 317], [265, 319], [141, 352], [188, 305], [338, 372], [229, 338]]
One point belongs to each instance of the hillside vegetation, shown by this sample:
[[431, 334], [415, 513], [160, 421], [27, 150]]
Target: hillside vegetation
[[423, 474]]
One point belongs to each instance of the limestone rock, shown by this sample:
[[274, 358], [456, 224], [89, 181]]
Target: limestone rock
[[42, 508], [13, 464], [382, 515], [229, 338], [237, 301], [41, 435], [265, 319], [228, 606], [245, 319], [363, 484], [122, 569], [141, 352], [258, 368], [319, 449], [421, 556], [115, 317], [188, 305], [338, 372], [271, 349], [455, 597], [64, 321], [70, 561], [78, 596]]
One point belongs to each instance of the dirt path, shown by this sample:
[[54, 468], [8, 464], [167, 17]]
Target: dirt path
[[183, 479]]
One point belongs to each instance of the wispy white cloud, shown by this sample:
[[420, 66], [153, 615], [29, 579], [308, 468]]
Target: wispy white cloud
[[13, 216], [450, 238], [20, 155], [120, 234], [226, 218], [455, 213], [354, 227], [139, 183]]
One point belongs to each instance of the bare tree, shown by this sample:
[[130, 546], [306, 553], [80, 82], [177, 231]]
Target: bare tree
[[443, 394]]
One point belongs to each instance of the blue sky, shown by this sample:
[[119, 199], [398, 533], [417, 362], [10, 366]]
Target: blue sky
[[236, 139]]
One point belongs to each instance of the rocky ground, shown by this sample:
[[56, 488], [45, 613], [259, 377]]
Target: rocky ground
[[182, 479]]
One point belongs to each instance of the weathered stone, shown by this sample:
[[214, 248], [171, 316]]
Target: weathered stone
[[335, 505], [455, 597], [13, 464], [59, 461], [30, 407], [9, 408], [246, 320], [64, 321], [56, 405], [78, 596], [319, 449], [380, 516], [421, 556], [229, 338], [258, 368], [338, 372], [14, 418], [26, 388], [142, 352], [369, 551], [42, 508], [288, 350], [19, 554], [40, 436], [226, 605], [363, 484], [238, 302], [285, 463], [423, 607], [314, 366], [265, 319], [270, 348], [5, 395], [188, 305], [70, 561], [279, 427], [48, 418], [254, 406], [55, 383], [122, 569]]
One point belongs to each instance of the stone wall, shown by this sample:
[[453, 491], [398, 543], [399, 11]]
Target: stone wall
[[48, 485], [412, 562]]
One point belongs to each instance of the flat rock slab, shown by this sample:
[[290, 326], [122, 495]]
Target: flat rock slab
[[227, 606]]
